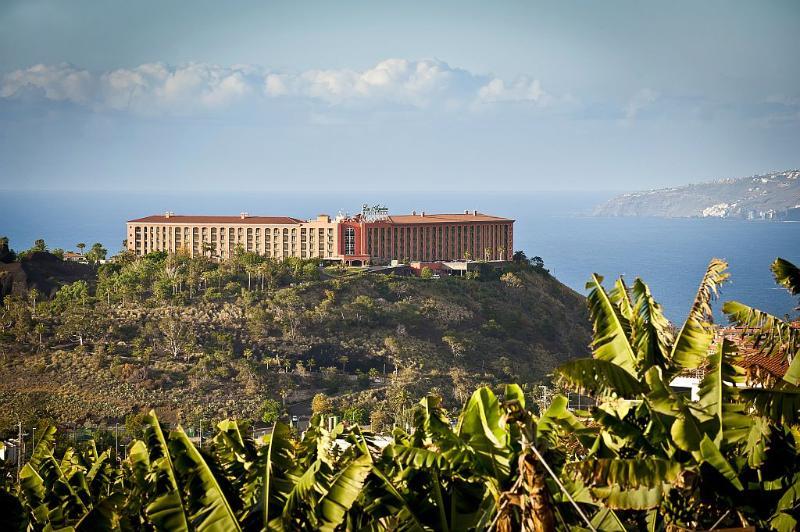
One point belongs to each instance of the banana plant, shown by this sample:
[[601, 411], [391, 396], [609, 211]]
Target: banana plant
[[74, 492], [646, 457], [772, 335], [677, 461]]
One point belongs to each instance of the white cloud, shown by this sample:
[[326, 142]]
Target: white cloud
[[395, 81], [159, 88], [521, 90], [639, 101], [58, 82]]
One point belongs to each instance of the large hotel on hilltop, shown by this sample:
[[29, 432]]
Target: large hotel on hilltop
[[371, 237]]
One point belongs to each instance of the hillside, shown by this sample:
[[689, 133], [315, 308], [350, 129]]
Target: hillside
[[774, 196], [221, 349], [42, 271]]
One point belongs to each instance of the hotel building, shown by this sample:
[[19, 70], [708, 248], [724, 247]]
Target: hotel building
[[366, 238]]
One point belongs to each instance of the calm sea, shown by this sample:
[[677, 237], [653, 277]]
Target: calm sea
[[670, 255]]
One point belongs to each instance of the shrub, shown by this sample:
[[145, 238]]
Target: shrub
[[270, 411]]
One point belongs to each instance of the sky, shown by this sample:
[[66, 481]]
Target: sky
[[383, 96]]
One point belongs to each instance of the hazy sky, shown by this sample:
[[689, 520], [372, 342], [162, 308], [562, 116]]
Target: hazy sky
[[176, 95]]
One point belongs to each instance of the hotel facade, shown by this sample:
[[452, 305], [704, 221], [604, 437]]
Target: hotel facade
[[367, 238]]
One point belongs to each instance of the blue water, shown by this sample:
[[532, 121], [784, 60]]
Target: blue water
[[671, 255]]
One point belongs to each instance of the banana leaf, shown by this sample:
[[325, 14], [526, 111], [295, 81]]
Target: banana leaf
[[599, 378], [651, 330], [691, 345], [211, 511], [611, 328], [345, 487], [787, 275], [166, 507]]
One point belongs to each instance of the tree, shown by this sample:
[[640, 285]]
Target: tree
[[79, 323], [343, 360], [77, 319], [208, 249], [379, 420], [354, 414], [81, 246], [176, 335], [321, 404], [97, 253], [270, 411], [17, 317], [537, 262], [426, 273], [33, 295], [512, 280], [311, 271], [288, 311], [363, 307], [457, 347], [519, 257], [69, 295], [40, 329], [285, 390], [7, 254]]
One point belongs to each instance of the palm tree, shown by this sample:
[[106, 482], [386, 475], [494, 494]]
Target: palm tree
[[81, 246], [33, 295]]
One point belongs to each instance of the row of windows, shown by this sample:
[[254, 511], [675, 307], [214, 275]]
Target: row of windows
[[226, 239], [449, 242]]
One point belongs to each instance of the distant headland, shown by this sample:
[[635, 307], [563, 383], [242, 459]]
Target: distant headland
[[773, 196]]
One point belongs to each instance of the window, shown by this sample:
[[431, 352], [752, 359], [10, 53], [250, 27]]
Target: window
[[349, 241]]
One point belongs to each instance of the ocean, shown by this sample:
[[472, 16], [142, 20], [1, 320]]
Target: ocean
[[669, 254]]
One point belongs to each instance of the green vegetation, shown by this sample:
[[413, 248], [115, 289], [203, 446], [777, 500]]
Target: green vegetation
[[202, 341], [644, 458]]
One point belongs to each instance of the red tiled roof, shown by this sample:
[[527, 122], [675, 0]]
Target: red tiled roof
[[752, 358], [444, 218], [772, 364], [184, 219]]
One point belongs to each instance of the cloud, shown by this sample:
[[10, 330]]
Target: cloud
[[639, 101], [522, 90], [154, 88], [419, 84], [60, 83]]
